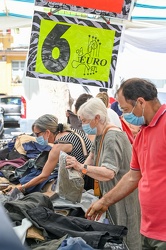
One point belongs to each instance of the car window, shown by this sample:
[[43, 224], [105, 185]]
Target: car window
[[11, 100], [4, 100]]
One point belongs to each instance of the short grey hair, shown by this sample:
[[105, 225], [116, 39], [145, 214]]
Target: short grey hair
[[93, 107], [49, 122]]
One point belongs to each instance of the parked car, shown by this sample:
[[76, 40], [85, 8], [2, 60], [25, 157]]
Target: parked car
[[13, 107], [1, 123]]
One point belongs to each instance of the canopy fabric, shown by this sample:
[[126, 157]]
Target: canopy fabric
[[135, 62], [16, 13], [149, 39], [147, 34], [149, 11]]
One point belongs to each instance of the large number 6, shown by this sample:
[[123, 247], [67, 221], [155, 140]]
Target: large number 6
[[54, 41]]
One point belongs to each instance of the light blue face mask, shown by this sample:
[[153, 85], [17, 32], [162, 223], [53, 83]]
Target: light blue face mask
[[41, 140], [88, 130], [133, 119]]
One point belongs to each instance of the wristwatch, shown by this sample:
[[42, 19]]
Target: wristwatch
[[84, 170]]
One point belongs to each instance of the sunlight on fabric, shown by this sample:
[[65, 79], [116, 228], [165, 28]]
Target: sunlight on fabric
[[144, 64]]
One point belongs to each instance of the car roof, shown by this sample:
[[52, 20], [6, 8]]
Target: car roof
[[2, 96]]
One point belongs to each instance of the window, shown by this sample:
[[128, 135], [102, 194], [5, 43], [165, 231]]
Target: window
[[17, 71]]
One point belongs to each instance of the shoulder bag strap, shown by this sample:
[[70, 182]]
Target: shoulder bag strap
[[101, 142], [84, 149]]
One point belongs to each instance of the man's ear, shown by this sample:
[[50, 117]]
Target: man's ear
[[142, 101]]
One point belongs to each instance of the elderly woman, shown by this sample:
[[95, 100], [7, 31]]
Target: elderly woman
[[112, 152], [64, 139]]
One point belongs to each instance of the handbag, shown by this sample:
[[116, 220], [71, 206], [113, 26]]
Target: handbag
[[97, 191]]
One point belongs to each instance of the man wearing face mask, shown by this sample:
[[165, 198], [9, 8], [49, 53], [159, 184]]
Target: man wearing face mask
[[138, 100]]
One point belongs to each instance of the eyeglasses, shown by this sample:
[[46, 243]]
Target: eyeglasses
[[38, 133], [83, 121]]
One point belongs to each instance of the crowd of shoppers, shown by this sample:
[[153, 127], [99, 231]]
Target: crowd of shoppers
[[128, 172]]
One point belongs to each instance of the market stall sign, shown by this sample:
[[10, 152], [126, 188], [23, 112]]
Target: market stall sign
[[73, 50]]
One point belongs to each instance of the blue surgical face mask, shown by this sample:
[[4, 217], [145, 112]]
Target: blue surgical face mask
[[133, 119], [88, 130], [41, 140]]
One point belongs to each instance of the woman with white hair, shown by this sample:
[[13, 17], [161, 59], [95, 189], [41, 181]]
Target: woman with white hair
[[107, 162]]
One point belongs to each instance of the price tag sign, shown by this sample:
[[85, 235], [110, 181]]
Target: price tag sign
[[73, 50]]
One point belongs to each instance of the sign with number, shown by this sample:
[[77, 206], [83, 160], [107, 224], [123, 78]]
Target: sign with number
[[73, 50], [107, 5]]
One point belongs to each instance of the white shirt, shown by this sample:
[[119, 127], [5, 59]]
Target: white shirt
[[114, 118]]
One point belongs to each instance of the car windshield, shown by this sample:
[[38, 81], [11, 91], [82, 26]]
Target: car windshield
[[12, 100]]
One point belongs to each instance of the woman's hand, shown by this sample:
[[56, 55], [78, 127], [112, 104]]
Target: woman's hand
[[11, 187], [71, 162]]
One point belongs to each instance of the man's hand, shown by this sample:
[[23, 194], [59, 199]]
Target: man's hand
[[95, 211]]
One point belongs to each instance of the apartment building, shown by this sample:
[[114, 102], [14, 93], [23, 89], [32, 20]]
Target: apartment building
[[12, 61]]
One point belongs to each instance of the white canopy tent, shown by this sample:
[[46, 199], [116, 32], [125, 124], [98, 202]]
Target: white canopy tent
[[16, 13]]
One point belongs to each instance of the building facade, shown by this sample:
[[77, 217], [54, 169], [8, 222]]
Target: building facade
[[12, 61]]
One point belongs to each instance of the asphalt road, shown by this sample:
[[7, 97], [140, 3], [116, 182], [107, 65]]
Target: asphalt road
[[10, 132]]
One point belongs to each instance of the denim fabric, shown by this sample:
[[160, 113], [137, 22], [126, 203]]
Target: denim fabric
[[33, 172], [76, 243], [95, 234], [33, 149]]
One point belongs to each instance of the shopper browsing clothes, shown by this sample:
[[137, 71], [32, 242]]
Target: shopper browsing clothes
[[107, 162]]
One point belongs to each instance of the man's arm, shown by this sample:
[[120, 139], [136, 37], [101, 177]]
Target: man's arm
[[125, 186]]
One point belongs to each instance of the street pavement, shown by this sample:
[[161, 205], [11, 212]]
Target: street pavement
[[10, 132]]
